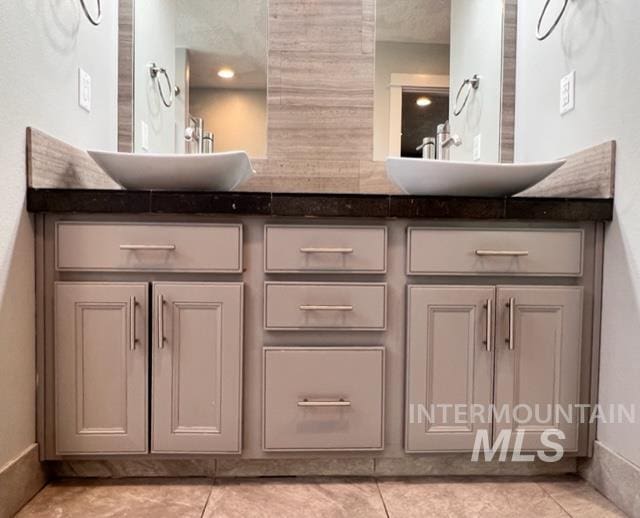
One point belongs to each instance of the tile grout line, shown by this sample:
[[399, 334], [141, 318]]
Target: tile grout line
[[384, 504], [206, 502], [554, 499]]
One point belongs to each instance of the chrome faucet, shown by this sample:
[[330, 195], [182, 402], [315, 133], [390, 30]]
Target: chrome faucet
[[193, 134], [444, 141]]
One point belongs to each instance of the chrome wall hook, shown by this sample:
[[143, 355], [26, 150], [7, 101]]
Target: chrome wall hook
[[94, 21], [470, 85], [155, 71]]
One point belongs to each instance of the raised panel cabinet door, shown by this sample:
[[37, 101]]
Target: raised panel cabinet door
[[538, 343], [101, 348], [197, 368], [449, 366]]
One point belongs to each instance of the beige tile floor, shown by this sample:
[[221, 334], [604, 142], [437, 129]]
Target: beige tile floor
[[321, 498]]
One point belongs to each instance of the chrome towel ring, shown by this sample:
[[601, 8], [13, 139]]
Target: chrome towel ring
[[470, 85], [155, 71], [539, 35], [94, 21]]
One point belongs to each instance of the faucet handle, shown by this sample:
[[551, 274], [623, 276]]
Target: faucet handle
[[427, 141]]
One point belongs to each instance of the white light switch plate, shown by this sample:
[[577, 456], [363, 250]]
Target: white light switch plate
[[477, 147], [568, 93], [84, 90], [145, 135]]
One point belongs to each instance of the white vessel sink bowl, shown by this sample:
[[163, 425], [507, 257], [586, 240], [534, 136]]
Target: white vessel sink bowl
[[445, 178], [208, 172]]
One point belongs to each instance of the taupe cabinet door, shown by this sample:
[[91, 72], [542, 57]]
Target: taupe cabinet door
[[101, 368], [197, 361], [540, 364], [448, 363]]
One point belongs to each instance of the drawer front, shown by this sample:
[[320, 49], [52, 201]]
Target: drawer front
[[96, 246], [440, 251], [291, 248], [327, 306], [323, 399]]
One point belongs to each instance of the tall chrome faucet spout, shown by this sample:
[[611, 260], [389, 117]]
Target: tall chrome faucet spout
[[444, 141]]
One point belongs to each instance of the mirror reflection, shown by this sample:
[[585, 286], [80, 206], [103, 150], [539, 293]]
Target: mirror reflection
[[200, 76], [438, 75]]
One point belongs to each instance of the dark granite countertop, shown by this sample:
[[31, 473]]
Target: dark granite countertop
[[316, 205]]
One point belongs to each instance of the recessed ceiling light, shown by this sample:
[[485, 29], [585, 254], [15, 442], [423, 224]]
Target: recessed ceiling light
[[423, 101], [226, 73]]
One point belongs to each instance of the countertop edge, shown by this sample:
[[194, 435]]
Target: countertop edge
[[317, 205]]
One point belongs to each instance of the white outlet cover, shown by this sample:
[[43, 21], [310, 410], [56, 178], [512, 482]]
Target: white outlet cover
[[84, 90], [568, 93], [145, 135], [477, 147]]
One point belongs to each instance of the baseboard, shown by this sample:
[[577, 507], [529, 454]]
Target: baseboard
[[614, 476], [20, 480], [429, 465]]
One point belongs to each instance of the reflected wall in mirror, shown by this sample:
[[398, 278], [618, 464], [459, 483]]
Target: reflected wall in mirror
[[200, 76], [427, 54]]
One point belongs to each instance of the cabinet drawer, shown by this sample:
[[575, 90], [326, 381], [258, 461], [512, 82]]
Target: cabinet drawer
[[447, 251], [189, 247], [330, 249], [323, 399], [339, 306]]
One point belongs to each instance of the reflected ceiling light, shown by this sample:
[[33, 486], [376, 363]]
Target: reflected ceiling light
[[226, 73], [423, 101]]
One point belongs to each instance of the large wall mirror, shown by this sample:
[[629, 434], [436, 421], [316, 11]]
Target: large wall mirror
[[440, 61], [193, 78], [200, 76]]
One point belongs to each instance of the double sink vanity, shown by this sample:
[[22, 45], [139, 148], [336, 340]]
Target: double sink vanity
[[270, 326], [307, 313]]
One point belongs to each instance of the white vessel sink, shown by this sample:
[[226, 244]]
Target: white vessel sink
[[210, 172], [445, 178]]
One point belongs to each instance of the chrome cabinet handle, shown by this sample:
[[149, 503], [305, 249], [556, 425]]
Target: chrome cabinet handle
[[161, 337], [132, 324], [337, 403], [489, 330], [326, 250], [511, 305], [502, 253], [168, 248], [94, 21], [325, 308]]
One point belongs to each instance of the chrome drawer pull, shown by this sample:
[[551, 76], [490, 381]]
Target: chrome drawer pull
[[167, 248], [502, 253], [339, 403], [326, 308], [326, 250]]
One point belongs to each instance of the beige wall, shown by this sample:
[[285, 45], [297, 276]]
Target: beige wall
[[42, 47], [400, 58], [599, 40], [237, 118]]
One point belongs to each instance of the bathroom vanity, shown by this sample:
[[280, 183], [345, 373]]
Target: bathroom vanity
[[271, 326]]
